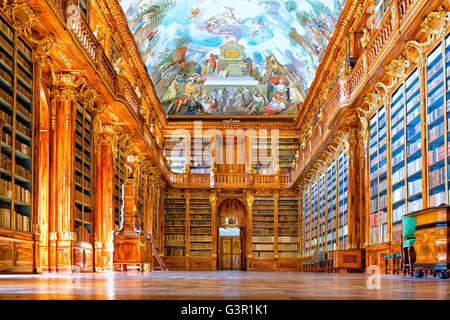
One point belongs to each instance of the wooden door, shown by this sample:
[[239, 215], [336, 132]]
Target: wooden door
[[230, 253]]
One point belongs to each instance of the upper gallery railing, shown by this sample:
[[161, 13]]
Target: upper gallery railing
[[229, 180]]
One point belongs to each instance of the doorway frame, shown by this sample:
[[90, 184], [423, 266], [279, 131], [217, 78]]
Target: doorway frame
[[242, 225]]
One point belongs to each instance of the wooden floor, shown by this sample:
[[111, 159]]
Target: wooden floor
[[218, 285]]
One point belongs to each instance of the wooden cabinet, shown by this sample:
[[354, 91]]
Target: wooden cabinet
[[432, 238]]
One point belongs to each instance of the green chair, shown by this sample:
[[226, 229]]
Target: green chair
[[409, 237]]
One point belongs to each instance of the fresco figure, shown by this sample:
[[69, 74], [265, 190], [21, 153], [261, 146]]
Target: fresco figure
[[211, 64], [275, 106]]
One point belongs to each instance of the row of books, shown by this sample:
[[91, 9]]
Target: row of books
[[23, 110], [200, 253], [173, 229], [262, 247], [435, 114], [22, 172], [436, 155], [200, 230], [414, 187], [21, 194], [23, 129], [436, 131], [83, 234], [83, 198], [7, 77], [398, 213], [200, 238], [262, 254], [200, 246], [436, 177], [6, 138], [398, 175], [437, 199], [398, 194], [28, 95], [174, 252], [25, 77], [287, 247], [21, 45], [415, 205], [5, 216], [23, 148], [414, 166]]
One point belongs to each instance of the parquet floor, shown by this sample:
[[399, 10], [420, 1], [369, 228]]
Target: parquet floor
[[218, 285]]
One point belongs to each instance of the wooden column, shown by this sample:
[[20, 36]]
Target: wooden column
[[213, 201], [61, 174], [248, 227], [104, 203], [42, 185]]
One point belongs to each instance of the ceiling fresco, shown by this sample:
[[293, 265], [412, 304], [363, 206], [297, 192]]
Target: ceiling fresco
[[232, 57]]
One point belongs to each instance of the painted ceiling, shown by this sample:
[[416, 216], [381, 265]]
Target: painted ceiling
[[232, 57]]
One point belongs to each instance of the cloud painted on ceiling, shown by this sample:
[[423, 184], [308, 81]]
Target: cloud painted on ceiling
[[232, 57]]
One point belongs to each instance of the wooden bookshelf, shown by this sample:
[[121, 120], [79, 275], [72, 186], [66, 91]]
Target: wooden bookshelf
[[201, 158], [331, 206], [176, 152], [262, 157], [288, 150], [263, 238], [343, 200], [200, 227], [307, 223], [119, 180], [141, 203], [321, 246], [175, 226], [288, 228], [16, 144], [83, 213], [314, 215]]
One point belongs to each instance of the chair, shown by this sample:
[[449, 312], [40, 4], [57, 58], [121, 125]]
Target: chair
[[323, 261], [395, 258], [308, 264], [408, 254]]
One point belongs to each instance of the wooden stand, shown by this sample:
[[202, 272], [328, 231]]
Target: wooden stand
[[432, 238], [132, 251]]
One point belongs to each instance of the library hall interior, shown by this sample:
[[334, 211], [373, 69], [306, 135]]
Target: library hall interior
[[258, 149]]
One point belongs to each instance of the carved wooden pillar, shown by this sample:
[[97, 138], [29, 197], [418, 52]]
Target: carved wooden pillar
[[61, 174], [353, 193], [250, 200], [104, 203]]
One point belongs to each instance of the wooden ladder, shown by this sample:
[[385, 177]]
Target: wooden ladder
[[162, 265]]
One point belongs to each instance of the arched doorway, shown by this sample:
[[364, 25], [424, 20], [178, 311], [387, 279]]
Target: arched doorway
[[231, 235]]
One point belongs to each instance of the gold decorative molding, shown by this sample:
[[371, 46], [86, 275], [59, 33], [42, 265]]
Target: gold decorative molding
[[23, 17]]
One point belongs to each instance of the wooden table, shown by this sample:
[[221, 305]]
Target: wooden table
[[432, 238]]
